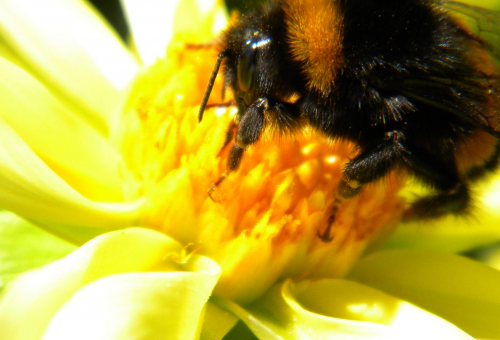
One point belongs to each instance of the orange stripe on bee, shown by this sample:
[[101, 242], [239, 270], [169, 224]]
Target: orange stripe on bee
[[480, 147], [484, 63], [314, 30], [475, 151]]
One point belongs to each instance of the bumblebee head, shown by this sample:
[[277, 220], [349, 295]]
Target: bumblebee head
[[245, 60], [246, 69], [256, 59]]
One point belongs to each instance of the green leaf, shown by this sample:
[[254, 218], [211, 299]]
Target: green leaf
[[24, 246], [487, 255], [462, 291], [488, 4], [240, 332]]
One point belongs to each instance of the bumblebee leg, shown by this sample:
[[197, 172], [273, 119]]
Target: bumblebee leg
[[372, 164], [248, 132], [456, 201], [233, 126], [365, 168], [452, 195], [230, 132], [375, 163], [327, 235]]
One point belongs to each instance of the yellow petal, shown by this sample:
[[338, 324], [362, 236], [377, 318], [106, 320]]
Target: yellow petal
[[135, 306], [168, 305], [354, 309], [338, 309], [154, 23], [151, 25], [218, 322], [31, 189], [489, 4], [78, 153], [35, 297], [460, 290], [72, 51]]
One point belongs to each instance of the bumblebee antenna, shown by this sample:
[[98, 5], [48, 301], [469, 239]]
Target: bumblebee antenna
[[210, 85]]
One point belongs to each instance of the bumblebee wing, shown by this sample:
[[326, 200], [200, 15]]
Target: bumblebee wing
[[477, 102], [479, 24], [482, 27], [474, 97]]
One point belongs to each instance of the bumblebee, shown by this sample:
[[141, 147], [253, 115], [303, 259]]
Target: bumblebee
[[414, 84]]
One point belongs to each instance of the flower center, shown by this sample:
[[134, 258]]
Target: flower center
[[262, 222]]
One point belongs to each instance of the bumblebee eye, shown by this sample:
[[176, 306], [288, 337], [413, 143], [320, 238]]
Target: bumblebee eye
[[246, 69]]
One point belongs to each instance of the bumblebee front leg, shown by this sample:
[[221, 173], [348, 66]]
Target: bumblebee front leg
[[249, 131], [230, 132]]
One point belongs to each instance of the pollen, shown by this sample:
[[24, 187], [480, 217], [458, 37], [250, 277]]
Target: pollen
[[331, 159], [261, 223]]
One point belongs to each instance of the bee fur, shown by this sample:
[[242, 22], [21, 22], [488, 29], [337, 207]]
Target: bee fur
[[407, 81]]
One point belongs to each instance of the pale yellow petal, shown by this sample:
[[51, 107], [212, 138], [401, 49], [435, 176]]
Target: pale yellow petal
[[154, 23], [338, 309], [78, 153], [151, 25], [72, 51], [353, 308], [35, 297], [460, 290], [30, 188], [217, 323], [162, 305]]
